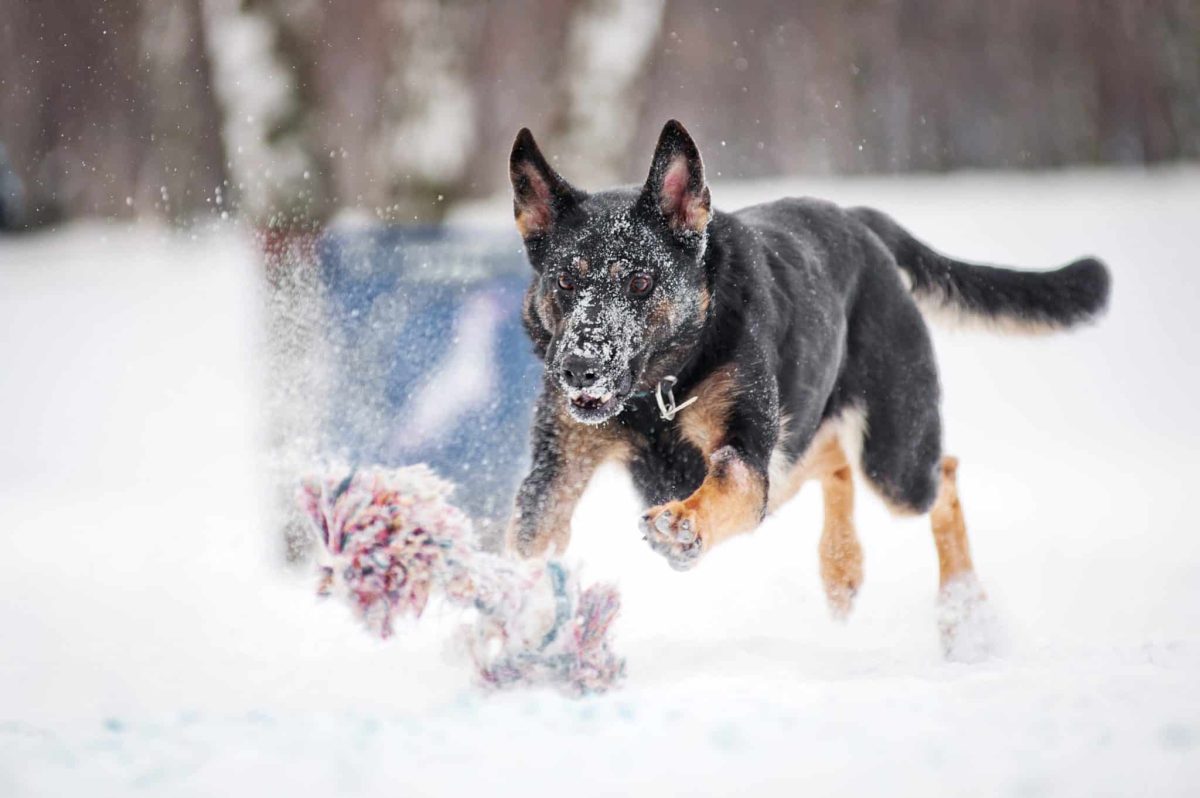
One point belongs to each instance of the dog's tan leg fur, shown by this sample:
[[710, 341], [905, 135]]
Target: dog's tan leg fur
[[949, 528], [731, 500], [839, 549], [964, 621], [554, 524], [841, 553], [581, 450]]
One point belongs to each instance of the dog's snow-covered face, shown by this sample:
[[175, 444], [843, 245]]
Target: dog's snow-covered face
[[615, 294], [620, 292]]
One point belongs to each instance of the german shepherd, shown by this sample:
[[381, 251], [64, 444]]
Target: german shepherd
[[792, 334]]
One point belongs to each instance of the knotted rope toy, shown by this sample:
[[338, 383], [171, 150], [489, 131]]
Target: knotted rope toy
[[390, 540]]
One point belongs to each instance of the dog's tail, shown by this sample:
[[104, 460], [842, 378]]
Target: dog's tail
[[997, 298]]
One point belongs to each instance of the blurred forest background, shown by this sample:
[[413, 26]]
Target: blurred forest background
[[290, 111]]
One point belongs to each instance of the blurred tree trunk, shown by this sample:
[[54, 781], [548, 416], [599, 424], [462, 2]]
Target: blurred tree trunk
[[186, 159], [609, 45], [106, 110], [262, 54], [518, 69]]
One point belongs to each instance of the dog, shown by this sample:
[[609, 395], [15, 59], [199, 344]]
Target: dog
[[793, 335]]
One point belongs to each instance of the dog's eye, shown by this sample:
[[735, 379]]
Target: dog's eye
[[640, 284], [565, 282]]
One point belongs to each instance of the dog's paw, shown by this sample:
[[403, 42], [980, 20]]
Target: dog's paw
[[840, 591], [674, 533], [968, 626], [841, 573]]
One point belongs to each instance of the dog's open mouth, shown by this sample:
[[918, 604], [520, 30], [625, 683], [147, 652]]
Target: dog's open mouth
[[596, 405], [586, 402], [591, 409]]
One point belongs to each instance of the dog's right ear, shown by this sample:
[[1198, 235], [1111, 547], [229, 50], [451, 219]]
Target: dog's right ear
[[541, 198]]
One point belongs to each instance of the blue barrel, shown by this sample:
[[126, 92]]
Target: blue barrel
[[431, 363]]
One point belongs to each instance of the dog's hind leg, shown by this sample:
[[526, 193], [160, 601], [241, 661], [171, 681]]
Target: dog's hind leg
[[950, 529], [841, 553], [964, 622], [900, 425]]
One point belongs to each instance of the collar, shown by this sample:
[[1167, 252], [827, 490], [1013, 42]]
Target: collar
[[666, 406]]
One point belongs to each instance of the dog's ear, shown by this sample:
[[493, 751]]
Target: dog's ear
[[676, 187], [540, 196]]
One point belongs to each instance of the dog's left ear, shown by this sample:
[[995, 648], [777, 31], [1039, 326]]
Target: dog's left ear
[[676, 187]]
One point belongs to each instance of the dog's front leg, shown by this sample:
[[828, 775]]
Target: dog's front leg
[[731, 500], [565, 456], [735, 424]]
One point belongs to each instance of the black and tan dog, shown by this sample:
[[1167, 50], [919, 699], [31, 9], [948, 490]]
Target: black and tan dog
[[791, 334]]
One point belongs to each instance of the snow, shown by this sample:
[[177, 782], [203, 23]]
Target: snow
[[153, 643]]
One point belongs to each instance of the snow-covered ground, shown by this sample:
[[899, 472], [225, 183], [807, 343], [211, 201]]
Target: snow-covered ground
[[152, 645]]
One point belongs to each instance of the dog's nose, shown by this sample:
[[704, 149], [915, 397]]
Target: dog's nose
[[580, 372]]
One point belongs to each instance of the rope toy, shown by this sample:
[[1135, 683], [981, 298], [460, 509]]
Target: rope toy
[[390, 540]]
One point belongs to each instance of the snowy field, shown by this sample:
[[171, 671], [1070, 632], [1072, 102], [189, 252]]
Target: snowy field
[[152, 645]]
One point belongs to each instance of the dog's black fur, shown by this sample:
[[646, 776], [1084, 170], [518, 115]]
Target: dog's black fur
[[808, 310]]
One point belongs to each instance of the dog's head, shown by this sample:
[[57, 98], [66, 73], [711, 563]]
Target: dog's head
[[619, 294]]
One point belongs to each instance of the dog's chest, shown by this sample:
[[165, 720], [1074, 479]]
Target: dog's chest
[[664, 465]]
